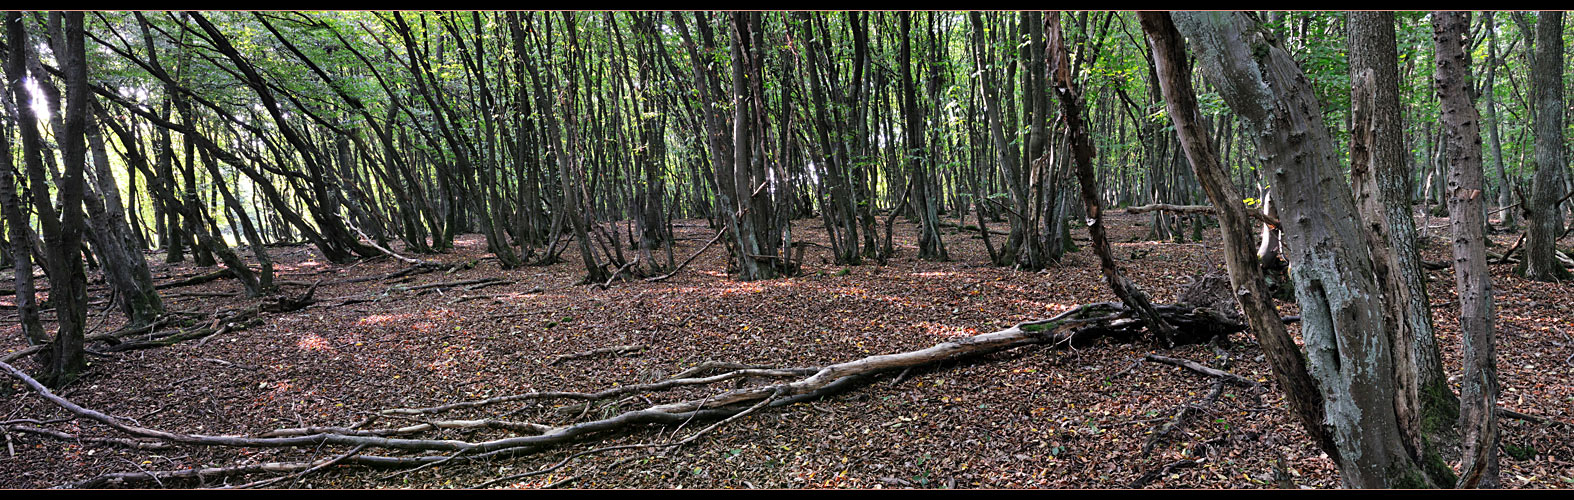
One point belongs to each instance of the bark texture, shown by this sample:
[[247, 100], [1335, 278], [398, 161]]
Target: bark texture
[[1544, 221], [1380, 173], [1349, 351], [1466, 218], [1246, 276]]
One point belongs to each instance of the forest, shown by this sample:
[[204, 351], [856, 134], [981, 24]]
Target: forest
[[774, 249]]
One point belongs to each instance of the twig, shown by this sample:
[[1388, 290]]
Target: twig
[[763, 403], [1199, 368], [688, 260], [597, 352], [1150, 476]]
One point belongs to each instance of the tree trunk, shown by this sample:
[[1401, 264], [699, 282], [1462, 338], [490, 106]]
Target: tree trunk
[[1544, 220], [1082, 154], [1504, 187], [1246, 275], [1380, 172], [1341, 310], [18, 232], [1466, 202]]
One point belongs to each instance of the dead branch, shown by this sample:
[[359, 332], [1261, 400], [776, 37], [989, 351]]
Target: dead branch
[[714, 365], [415, 262], [597, 352], [198, 280], [66, 436], [1197, 209], [302, 474], [688, 260], [1505, 412], [450, 284], [609, 393], [1511, 249], [408, 271], [1200, 368]]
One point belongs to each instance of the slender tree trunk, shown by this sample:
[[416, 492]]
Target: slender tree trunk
[[18, 232], [1504, 187], [1246, 275], [1466, 201], [1082, 154]]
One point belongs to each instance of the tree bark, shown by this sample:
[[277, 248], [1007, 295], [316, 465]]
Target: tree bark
[[1380, 173], [1342, 319], [1466, 204], [1544, 220]]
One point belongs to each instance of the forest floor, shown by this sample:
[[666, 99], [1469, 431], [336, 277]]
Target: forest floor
[[1031, 417]]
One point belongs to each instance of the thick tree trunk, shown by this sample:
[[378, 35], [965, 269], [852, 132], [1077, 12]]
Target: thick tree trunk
[[125, 269], [1544, 220], [1380, 172], [1342, 320], [1246, 275], [62, 230]]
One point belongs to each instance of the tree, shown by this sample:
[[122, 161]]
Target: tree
[[1347, 339], [1466, 205], [61, 229], [1246, 274], [1544, 220], [1380, 172], [929, 244]]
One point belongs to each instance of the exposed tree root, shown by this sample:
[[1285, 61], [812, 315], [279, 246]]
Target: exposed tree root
[[1080, 326]]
